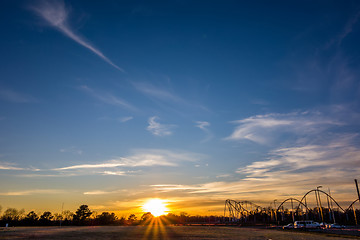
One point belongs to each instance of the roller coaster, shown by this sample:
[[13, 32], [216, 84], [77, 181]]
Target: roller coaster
[[246, 211]]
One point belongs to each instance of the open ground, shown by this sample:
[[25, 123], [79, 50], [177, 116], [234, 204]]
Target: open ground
[[161, 232]]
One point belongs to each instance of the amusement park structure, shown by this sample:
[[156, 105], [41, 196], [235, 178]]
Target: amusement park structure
[[325, 209]]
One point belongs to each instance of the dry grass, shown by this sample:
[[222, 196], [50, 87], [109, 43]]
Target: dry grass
[[156, 232]]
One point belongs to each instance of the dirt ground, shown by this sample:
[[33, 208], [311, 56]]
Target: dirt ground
[[159, 232]]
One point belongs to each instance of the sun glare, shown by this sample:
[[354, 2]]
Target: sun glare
[[156, 206]]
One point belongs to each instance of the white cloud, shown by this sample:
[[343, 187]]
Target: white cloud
[[338, 153], [100, 192], [31, 192], [110, 164], [55, 13], [107, 98], [10, 166], [125, 119], [96, 192], [141, 158], [204, 127], [176, 187], [45, 175], [262, 128], [157, 128], [117, 173]]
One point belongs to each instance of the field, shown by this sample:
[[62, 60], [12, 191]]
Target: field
[[157, 232]]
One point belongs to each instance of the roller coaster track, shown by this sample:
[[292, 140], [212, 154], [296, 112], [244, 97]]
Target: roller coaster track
[[239, 209]]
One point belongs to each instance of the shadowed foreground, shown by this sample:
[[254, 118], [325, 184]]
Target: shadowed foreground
[[154, 232]]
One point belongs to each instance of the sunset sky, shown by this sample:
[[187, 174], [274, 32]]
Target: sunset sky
[[111, 103]]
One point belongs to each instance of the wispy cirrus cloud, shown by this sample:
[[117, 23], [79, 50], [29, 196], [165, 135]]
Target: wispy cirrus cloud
[[73, 150], [156, 92], [107, 98], [102, 192], [7, 166], [16, 97], [337, 153], [262, 128], [12, 166], [165, 97], [159, 129], [348, 28], [328, 67], [204, 127], [56, 14], [141, 158], [115, 173], [177, 187], [32, 192], [125, 119]]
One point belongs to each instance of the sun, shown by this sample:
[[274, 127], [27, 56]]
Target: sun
[[156, 206]]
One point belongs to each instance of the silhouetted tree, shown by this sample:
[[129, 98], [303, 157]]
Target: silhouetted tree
[[31, 218], [82, 214], [12, 214], [67, 215], [46, 217], [146, 218], [58, 217], [131, 219], [121, 221], [105, 218]]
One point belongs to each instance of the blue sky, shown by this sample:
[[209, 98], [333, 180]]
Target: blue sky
[[112, 103]]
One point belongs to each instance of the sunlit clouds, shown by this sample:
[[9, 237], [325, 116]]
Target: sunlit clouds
[[335, 159], [9, 166], [32, 192], [141, 158], [15, 167], [264, 128], [287, 171], [101, 192]]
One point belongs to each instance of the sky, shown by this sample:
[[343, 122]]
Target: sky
[[194, 102]]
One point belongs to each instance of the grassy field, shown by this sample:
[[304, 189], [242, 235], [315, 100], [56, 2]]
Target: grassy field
[[157, 232]]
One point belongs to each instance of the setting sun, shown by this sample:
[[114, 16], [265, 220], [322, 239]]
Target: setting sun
[[156, 206]]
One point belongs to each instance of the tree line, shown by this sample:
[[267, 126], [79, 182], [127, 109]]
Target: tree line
[[86, 217]]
